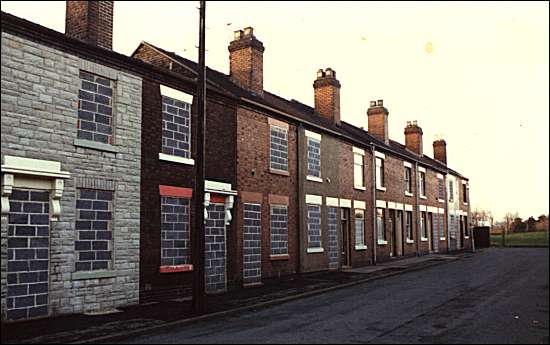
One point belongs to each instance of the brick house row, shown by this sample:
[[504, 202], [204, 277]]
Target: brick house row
[[98, 174]]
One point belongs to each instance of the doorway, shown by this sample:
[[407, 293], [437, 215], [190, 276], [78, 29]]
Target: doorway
[[345, 232]]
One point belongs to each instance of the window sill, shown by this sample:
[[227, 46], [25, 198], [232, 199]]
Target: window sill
[[363, 247], [314, 178], [466, 237], [315, 250], [410, 241], [443, 239], [279, 257], [441, 200], [84, 275], [176, 269], [360, 188], [383, 189], [424, 239], [382, 242], [409, 194], [279, 172], [176, 159], [95, 145], [423, 197], [465, 203]]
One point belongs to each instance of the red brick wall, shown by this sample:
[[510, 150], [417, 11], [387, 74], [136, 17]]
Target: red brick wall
[[253, 138], [327, 98], [246, 68], [90, 21]]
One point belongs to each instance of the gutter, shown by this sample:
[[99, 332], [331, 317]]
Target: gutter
[[416, 206]]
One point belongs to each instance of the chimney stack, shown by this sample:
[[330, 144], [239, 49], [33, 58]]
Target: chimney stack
[[246, 61], [413, 137], [440, 151], [327, 95], [91, 22], [378, 120]]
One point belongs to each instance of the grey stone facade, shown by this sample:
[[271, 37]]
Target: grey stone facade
[[39, 120], [252, 246], [215, 270]]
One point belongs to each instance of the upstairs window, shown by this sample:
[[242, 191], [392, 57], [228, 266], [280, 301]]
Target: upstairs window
[[408, 180], [314, 157], [451, 190], [278, 148], [95, 108], [440, 189], [358, 174], [465, 193], [379, 173], [422, 183], [176, 127]]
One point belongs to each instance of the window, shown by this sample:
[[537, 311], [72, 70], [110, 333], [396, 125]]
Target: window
[[358, 175], [359, 228], [175, 239], [94, 230], [314, 157], [451, 190], [379, 172], [176, 127], [408, 225], [408, 180], [95, 108], [279, 230], [314, 226], [465, 193], [441, 226], [423, 228], [380, 225], [279, 148], [466, 227], [422, 183], [440, 189]]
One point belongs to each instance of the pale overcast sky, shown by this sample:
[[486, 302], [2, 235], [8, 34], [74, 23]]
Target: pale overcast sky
[[483, 88]]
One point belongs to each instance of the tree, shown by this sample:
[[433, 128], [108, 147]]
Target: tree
[[542, 223], [530, 224], [480, 217]]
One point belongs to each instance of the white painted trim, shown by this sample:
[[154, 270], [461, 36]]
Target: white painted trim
[[315, 250], [408, 194], [443, 238], [407, 164], [398, 206], [465, 203], [422, 208], [379, 155], [441, 200], [380, 204], [314, 178], [465, 182], [34, 167], [314, 199], [381, 188], [360, 187], [358, 151], [176, 159], [176, 94], [382, 242], [313, 135], [440, 176], [408, 207], [421, 169], [391, 205], [432, 209], [361, 205], [345, 203], [276, 123], [409, 241], [423, 197], [424, 239], [219, 187], [332, 202], [441, 210], [361, 247]]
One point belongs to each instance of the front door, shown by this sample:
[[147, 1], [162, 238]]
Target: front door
[[435, 235], [28, 254], [393, 239], [345, 231], [215, 274], [333, 246], [400, 237]]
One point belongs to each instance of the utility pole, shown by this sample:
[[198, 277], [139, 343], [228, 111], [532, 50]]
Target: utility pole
[[199, 298]]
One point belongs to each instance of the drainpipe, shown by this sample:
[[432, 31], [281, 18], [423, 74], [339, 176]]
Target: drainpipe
[[416, 210], [300, 196], [447, 234], [374, 232]]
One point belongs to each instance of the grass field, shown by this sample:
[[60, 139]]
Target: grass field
[[522, 239]]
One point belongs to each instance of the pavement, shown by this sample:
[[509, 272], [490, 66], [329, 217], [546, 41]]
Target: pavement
[[497, 296], [155, 317]]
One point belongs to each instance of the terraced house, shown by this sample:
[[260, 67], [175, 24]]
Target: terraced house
[[98, 174]]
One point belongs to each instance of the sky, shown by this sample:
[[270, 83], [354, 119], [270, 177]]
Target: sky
[[473, 73]]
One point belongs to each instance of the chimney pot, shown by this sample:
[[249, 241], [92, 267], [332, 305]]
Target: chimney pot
[[320, 74], [327, 95], [246, 61], [380, 103], [372, 104], [413, 137], [378, 121], [330, 73], [440, 150], [238, 34], [248, 31]]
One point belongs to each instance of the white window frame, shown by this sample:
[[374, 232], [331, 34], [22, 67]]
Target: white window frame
[[378, 240], [381, 168], [317, 137], [360, 246], [285, 129], [359, 155]]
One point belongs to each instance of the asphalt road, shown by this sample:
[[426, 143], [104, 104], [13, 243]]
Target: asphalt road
[[494, 296]]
